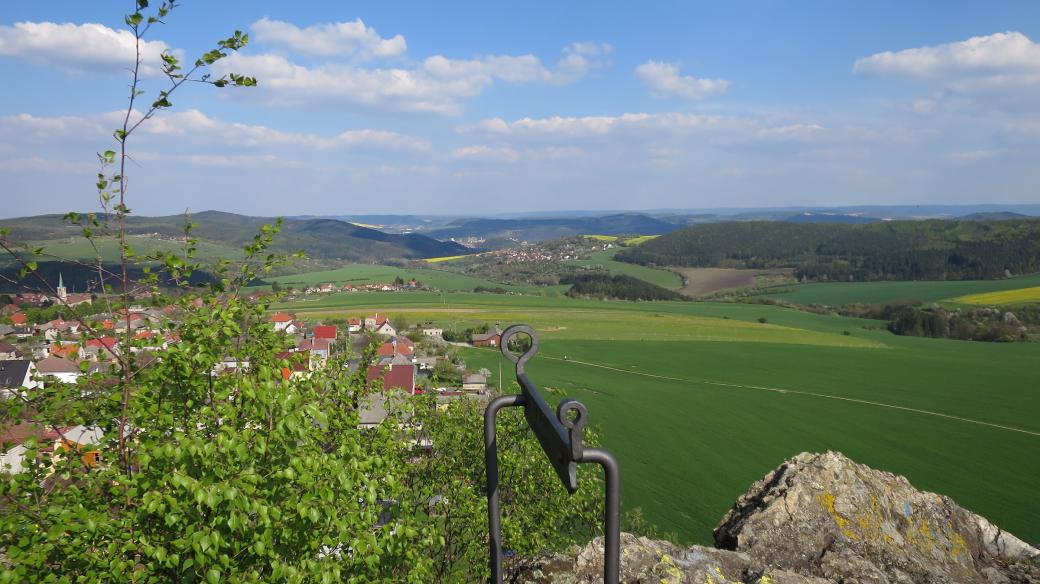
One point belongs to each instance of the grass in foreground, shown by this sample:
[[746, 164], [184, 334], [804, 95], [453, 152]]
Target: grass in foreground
[[695, 420]]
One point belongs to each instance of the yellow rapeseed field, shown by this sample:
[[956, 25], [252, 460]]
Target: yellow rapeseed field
[[444, 259], [1017, 296]]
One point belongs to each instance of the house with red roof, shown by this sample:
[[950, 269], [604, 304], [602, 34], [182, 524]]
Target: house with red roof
[[354, 325], [67, 350], [34, 298], [401, 377], [104, 345], [321, 348], [380, 325], [299, 364], [57, 327], [19, 318], [282, 321], [397, 347], [327, 331], [491, 338]]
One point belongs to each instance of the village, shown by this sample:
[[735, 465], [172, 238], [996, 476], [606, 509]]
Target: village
[[398, 359]]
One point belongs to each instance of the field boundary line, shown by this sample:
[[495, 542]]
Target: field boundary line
[[801, 392]]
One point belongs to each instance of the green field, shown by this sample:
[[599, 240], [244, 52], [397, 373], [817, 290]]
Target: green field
[[605, 260], [838, 293], [360, 274], [698, 400]]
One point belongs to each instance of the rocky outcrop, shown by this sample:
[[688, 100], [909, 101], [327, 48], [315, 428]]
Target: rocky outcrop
[[651, 561], [822, 518]]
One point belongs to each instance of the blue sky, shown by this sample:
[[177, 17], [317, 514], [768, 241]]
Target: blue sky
[[453, 107]]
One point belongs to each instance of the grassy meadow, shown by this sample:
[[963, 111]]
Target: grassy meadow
[[360, 274], [837, 293], [605, 260], [698, 400]]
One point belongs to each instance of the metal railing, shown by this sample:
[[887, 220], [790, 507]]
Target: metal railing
[[560, 435]]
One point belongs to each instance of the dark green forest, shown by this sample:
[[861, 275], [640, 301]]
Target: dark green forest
[[597, 285], [892, 250]]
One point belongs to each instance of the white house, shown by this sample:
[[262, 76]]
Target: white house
[[433, 332], [59, 368], [282, 321], [385, 329], [12, 459], [16, 376]]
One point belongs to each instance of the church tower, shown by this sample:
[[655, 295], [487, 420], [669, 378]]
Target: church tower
[[62, 292]]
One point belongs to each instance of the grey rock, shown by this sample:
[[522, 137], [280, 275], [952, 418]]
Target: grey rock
[[825, 515], [648, 561], [818, 519]]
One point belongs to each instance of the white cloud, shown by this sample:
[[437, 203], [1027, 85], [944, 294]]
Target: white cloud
[[509, 154], [78, 47], [498, 154], [792, 132], [438, 85], [39, 164], [664, 80], [594, 125], [973, 155], [336, 39], [998, 61], [199, 126]]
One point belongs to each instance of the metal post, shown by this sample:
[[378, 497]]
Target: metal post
[[560, 436], [611, 511], [491, 463]]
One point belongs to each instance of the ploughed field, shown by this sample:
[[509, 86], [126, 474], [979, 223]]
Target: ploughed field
[[698, 400]]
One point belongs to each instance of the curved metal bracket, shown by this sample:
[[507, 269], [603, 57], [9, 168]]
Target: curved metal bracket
[[519, 360], [560, 434]]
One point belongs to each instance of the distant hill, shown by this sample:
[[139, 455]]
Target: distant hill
[[993, 216], [893, 250], [319, 238], [543, 229], [829, 217]]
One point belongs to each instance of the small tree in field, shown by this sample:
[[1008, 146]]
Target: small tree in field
[[216, 463]]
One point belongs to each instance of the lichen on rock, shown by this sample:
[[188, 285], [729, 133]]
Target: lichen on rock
[[817, 519]]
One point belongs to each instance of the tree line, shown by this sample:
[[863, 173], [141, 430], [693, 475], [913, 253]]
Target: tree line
[[893, 250], [621, 287]]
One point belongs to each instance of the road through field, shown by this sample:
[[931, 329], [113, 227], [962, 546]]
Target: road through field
[[794, 392]]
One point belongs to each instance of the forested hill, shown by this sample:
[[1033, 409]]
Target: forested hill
[[319, 238], [894, 250]]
